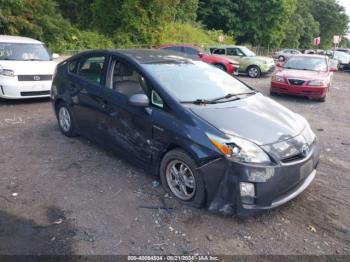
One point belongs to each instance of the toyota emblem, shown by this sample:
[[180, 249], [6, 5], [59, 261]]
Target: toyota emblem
[[305, 150], [37, 78]]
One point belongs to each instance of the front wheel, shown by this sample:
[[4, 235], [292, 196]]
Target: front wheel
[[222, 67], [66, 120], [180, 178], [254, 72]]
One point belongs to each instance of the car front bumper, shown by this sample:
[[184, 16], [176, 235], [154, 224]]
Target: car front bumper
[[11, 88], [307, 91], [268, 68], [274, 185]]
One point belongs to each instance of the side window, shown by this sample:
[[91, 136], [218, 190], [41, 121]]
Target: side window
[[234, 52], [156, 100], [73, 66], [218, 51], [127, 80], [191, 50], [174, 48], [92, 69]]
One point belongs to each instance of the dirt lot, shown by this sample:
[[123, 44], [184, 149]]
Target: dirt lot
[[68, 196]]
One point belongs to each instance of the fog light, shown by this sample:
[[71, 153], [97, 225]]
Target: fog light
[[247, 192]]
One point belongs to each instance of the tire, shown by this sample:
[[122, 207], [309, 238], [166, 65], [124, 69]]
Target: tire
[[281, 58], [254, 72], [323, 99], [196, 186], [273, 93], [65, 120], [221, 66]]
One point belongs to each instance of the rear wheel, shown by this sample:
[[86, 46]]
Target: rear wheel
[[254, 72], [281, 58], [180, 178], [66, 120]]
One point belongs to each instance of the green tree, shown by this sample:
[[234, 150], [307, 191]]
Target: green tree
[[258, 22], [332, 19]]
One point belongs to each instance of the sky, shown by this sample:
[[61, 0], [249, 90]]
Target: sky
[[346, 4]]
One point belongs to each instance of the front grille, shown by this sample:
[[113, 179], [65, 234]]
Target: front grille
[[35, 93], [296, 82], [34, 77], [292, 158]]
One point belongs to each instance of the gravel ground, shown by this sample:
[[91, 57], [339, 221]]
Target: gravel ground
[[68, 196]]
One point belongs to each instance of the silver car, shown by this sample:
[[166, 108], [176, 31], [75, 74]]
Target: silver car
[[284, 54]]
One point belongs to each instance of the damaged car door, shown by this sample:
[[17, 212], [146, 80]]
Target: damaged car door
[[128, 127]]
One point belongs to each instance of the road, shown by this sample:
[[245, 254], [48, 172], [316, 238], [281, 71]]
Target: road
[[68, 196]]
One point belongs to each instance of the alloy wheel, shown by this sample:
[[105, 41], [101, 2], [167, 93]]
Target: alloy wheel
[[180, 180], [253, 72], [64, 119]]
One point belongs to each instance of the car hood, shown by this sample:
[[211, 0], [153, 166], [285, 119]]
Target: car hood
[[256, 118], [260, 59], [303, 74], [29, 67]]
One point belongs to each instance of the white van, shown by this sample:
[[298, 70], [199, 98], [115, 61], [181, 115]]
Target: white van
[[26, 68]]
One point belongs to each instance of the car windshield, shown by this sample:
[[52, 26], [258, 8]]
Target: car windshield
[[247, 51], [195, 80], [306, 63], [23, 52]]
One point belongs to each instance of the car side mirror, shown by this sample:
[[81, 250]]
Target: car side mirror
[[139, 100], [200, 55], [55, 56], [279, 64]]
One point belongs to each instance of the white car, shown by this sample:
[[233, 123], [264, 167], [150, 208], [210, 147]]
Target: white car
[[26, 68]]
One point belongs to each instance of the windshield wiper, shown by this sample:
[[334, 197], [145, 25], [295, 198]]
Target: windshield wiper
[[197, 102], [215, 100], [228, 96]]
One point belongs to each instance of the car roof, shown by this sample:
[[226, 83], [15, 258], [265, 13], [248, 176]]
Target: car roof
[[18, 39], [146, 56]]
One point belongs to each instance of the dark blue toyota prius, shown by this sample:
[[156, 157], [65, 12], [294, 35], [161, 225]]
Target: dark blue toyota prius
[[213, 140]]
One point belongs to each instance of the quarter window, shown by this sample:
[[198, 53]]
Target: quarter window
[[156, 99], [92, 69]]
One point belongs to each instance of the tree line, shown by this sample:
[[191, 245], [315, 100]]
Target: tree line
[[80, 24]]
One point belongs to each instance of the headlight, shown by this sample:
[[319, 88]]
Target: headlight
[[317, 83], [278, 78], [239, 149], [6, 72], [308, 134]]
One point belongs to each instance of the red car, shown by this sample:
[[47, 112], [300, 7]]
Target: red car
[[228, 65], [303, 75]]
